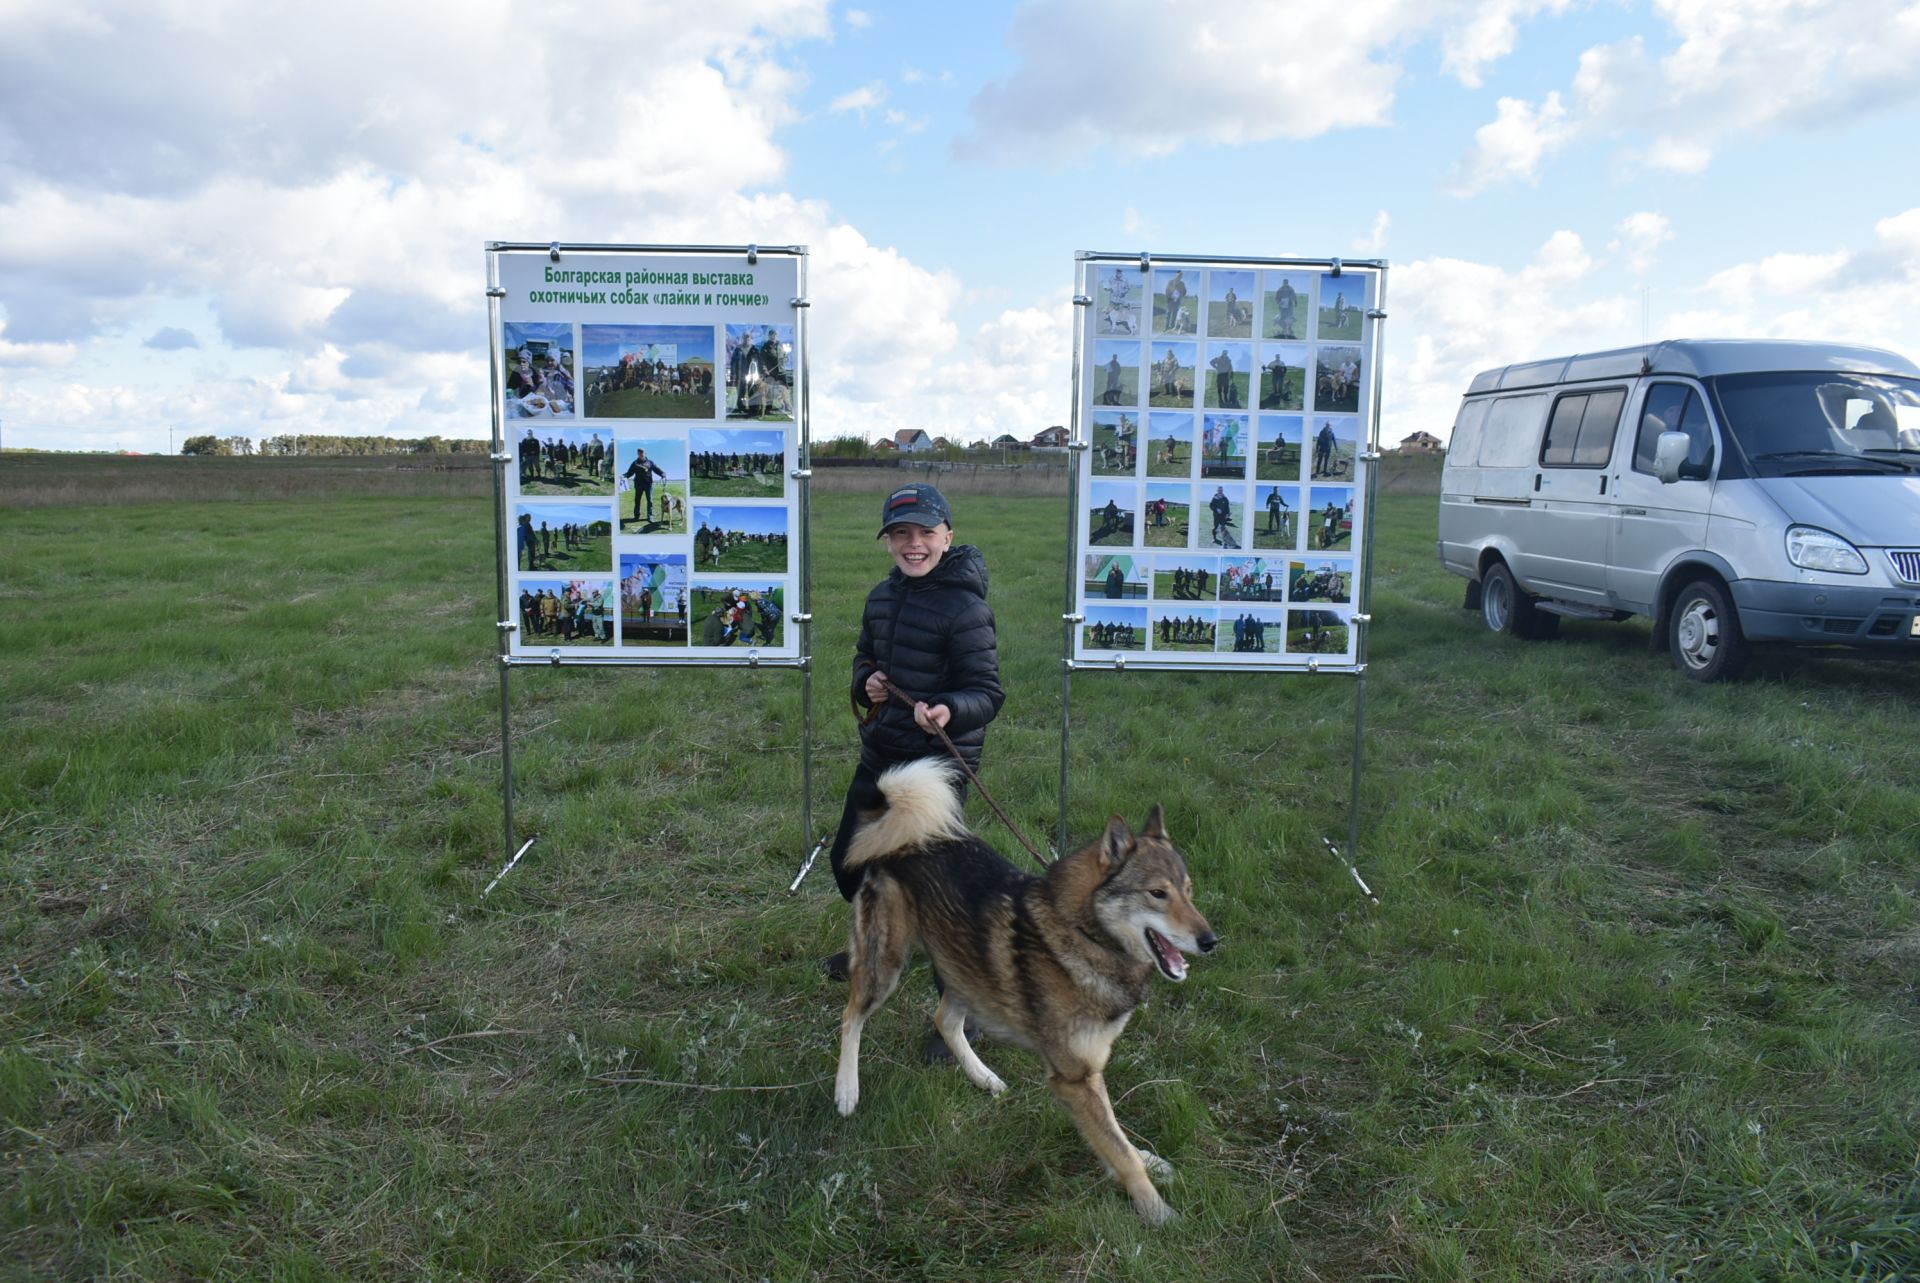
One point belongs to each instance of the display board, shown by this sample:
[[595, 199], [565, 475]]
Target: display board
[[1225, 420], [651, 405]]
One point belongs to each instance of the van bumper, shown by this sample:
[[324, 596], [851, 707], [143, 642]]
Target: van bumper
[[1824, 615]]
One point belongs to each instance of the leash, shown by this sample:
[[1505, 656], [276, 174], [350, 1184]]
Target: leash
[[941, 731]]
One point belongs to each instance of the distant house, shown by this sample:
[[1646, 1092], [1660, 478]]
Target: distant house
[[1007, 441], [912, 440], [1054, 438], [884, 443], [942, 443], [1420, 443]]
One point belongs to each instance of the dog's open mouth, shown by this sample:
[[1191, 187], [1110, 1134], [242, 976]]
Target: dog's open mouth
[[1172, 963]]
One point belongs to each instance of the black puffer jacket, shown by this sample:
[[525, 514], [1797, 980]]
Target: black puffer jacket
[[934, 637]]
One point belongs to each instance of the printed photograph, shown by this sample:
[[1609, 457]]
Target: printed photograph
[[1278, 447], [1173, 309], [1116, 372], [1336, 380], [1169, 444], [1224, 514], [1342, 300], [1186, 578], [538, 359], [648, 371], [1115, 446], [1170, 374], [1329, 580], [1166, 515], [1252, 630], [1110, 512], [564, 461], [1230, 300], [1288, 298], [1114, 576], [1228, 376], [738, 463], [1253, 579], [737, 537], [1223, 446], [652, 480], [1116, 301], [1330, 518], [563, 537], [568, 612], [1114, 627], [759, 371], [653, 599], [1276, 522], [1283, 377], [1175, 629], [750, 612], [1316, 632], [1336, 445]]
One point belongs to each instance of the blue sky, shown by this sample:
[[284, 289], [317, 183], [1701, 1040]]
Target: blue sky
[[255, 219]]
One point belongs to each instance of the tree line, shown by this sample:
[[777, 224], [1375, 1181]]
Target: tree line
[[294, 445]]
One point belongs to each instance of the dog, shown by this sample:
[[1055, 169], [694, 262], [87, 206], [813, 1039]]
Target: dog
[[1055, 964], [1120, 319]]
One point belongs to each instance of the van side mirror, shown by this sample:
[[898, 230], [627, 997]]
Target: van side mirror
[[1669, 453], [1670, 459]]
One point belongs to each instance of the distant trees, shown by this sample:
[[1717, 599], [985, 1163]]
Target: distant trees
[[296, 445]]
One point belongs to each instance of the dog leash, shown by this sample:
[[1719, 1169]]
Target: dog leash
[[941, 731]]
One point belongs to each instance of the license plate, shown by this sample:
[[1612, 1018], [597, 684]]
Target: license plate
[[1915, 630]]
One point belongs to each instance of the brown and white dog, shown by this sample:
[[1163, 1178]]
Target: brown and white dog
[[1055, 964]]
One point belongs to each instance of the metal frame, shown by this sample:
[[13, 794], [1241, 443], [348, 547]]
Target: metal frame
[[799, 611], [1077, 443]]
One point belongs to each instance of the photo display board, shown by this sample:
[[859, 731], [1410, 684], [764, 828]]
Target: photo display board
[[651, 405], [1227, 410]]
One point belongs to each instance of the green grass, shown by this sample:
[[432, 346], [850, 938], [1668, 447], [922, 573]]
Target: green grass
[[1637, 1002]]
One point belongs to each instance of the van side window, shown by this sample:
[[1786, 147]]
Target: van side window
[[1511, 431], [1580, 433], [1464, 445], [1673, 407]]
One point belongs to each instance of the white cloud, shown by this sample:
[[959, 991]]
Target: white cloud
[[1640, 236], [862, 100], [859, 19], [1374, 243], [1145, 78], [1736, 68]]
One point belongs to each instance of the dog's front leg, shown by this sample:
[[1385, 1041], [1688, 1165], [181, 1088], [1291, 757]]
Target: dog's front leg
[[951, 1018], [1086, 1101]]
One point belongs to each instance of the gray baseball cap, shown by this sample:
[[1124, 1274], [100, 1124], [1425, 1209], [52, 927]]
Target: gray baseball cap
[[915, 505]]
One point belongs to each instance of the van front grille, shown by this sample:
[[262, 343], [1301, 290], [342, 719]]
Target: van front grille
[[1906, 564]]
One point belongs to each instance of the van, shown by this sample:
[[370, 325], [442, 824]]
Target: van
[[1734, 492]]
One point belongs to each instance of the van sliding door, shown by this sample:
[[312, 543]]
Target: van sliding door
[[1573, 509]]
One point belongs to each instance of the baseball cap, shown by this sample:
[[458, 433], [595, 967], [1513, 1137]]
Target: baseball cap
[[915, 505]]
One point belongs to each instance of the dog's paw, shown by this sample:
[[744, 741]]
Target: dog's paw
[[1157, 1167], [846, 1100], [1154, 1211], [993, 1083]]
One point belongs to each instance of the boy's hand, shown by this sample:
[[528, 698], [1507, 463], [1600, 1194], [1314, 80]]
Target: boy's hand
[[877, 688], [931, 717]]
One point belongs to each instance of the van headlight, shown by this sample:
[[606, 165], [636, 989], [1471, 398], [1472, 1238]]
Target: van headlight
[[1811, 548]]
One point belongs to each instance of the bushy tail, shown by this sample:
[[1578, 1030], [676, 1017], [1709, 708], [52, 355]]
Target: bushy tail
[[922, 807]]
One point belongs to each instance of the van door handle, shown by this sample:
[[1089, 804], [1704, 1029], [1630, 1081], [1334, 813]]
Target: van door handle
[[1536, 483], [1603, 485]]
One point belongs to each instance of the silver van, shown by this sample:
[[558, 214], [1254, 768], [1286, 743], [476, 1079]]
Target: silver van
[[1733, 491]]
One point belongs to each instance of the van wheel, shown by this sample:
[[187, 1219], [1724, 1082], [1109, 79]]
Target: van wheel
[[1509, 610], [1703, 634]]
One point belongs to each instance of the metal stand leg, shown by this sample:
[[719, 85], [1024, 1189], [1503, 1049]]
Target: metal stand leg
[[1066, 739]]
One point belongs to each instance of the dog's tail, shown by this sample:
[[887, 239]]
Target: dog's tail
[[922, 806]]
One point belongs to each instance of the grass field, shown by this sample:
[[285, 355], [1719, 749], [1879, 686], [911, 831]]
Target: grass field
[[1638, 1000]]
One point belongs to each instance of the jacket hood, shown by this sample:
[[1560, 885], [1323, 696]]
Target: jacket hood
[[963, 566]]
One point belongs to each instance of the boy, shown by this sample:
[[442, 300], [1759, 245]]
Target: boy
[[927, 628]]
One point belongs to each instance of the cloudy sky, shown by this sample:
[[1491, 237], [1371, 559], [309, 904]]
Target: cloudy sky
[[244, 216]]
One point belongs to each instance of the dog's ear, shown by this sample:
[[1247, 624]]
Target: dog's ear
[[1114, 842], [1156, 824]]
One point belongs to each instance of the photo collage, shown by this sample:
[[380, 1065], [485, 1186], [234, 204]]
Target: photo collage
[[1225, 410], [649, 497]]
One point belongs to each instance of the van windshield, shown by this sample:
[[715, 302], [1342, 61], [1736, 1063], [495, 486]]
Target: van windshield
[[1811, 423]]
